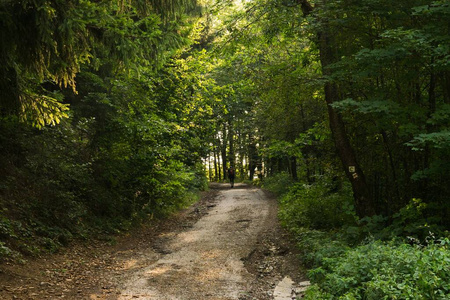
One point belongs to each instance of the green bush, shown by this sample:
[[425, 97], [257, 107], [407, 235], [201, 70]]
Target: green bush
[[316, 245], [4, 251], [278, 183], [58, 186], [379, 270], [314, 206], [411, 221]]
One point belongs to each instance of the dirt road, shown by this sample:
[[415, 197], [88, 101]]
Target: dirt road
[[228, 246]]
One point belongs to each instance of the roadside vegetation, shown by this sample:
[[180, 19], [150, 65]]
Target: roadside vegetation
[[406, 257], [117, 112], [96, 119]]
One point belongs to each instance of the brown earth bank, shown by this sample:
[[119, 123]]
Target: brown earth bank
[[229, 245]]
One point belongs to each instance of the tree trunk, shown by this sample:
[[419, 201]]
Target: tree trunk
[[445, 85], [252, 156], [294, 173], [231, 153], [216, 157], [223, 150], [219, 168], [363, 203], [209, 169]]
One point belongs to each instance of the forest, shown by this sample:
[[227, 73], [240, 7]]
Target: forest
[[116, 112]]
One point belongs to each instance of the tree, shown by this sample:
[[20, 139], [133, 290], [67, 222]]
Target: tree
[[45, 43], [131, 145]]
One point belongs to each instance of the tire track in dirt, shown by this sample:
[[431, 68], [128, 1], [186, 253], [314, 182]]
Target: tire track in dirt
[[205, 261]]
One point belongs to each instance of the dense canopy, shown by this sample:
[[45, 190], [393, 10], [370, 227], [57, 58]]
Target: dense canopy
[[113, 112]]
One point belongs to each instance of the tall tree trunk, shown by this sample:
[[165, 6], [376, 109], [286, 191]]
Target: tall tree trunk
[[293, 162], [252, 156], [262, 167], [215, 164], [209, 169], [445, 85], [232, 155], [431, 109], [241, 154], [219, 168], [392, 164], [364, 205], [224, 151]]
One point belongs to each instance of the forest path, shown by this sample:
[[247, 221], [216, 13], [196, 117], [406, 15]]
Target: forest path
[[205, 261], [227, 246]]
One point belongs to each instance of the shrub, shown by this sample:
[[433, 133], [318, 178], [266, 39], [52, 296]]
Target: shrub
[[4, 251], [410, 221], [314, 206], [278, 183], [380, 270], [315, 246], [60, 183]]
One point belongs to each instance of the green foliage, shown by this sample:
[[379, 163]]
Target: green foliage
[[279, 184], [374, 107], [128, 150], [99, 172], [415, 220], [391, 75], [412, 221], [4, 251], [46, 44], [6, 227], [438, 140], [380, 270], [317, 206], [316, 245]]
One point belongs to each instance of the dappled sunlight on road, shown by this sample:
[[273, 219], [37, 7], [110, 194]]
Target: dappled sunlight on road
[[204, 261]]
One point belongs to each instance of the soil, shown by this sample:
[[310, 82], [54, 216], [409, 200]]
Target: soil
[[229, 245]]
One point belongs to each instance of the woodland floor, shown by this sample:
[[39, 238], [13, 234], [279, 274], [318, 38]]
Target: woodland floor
[[229, 245]]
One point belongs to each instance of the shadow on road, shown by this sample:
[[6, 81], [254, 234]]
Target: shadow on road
[[226, 186]]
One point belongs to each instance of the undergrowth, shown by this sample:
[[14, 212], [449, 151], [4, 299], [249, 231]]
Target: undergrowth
[[384, 270], [403, 256], [54, 191]]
